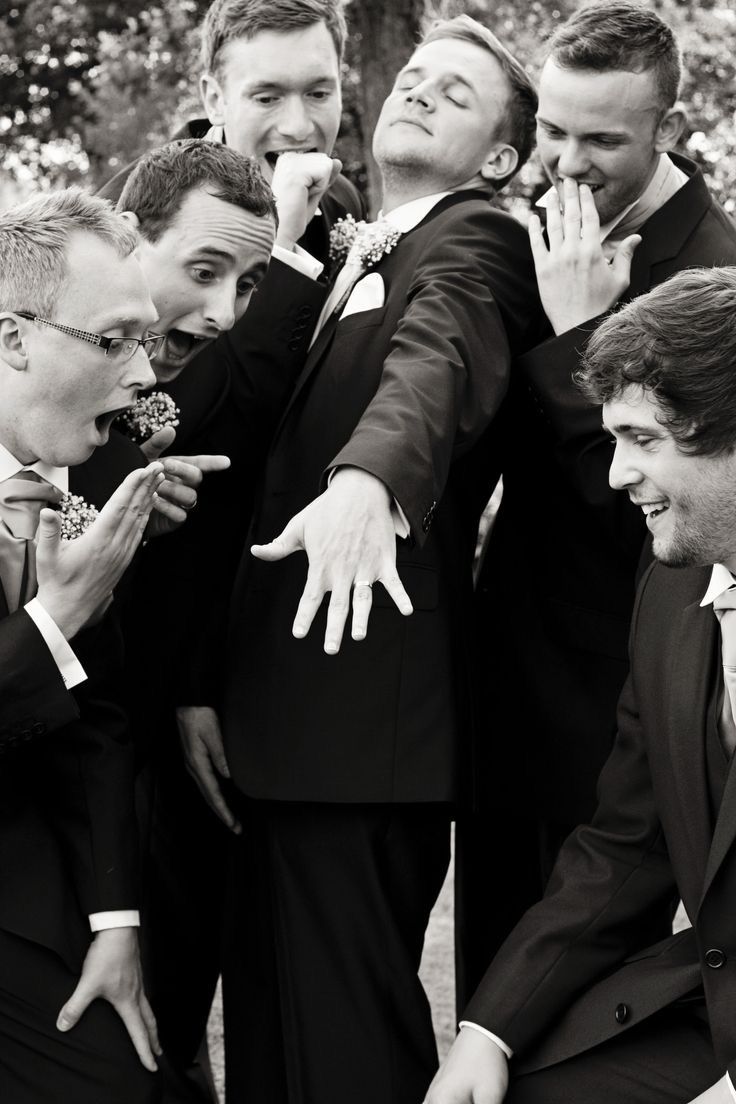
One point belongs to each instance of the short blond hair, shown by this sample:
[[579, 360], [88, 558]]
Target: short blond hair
[[34, 237]]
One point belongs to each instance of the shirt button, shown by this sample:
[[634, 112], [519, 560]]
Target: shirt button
[[621, 1013], [714, 958]]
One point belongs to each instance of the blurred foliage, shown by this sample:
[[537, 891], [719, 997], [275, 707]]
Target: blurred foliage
[[85, 85]]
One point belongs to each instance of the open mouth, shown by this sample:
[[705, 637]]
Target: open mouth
[[653, 510], [103, 422], [180, 345], [272, 156]]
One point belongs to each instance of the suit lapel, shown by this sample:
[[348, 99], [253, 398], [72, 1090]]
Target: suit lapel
[[692, 665]]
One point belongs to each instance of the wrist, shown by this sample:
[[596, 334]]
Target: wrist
[[65, 614]]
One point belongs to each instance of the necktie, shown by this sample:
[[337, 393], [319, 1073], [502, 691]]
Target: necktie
[[22, 497], [725, 610]]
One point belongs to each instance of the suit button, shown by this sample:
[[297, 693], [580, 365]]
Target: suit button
[[294, 345], [38, 729], [304, 312], [714, 958], [621, 1013]]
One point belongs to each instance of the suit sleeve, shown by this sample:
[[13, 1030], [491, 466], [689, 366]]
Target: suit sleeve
[[605, 900], [447, 369], [34, 699]]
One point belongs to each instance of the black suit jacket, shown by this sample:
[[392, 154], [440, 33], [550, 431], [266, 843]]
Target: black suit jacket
[[558, 583], [67, 835], [555, 985], [405, 392], [32, 692]]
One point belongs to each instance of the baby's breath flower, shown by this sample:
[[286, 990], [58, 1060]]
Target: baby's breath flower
[[363, 242], [151, 413], [76, 516]]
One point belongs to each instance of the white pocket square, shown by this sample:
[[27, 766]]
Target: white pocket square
[[368, 294]]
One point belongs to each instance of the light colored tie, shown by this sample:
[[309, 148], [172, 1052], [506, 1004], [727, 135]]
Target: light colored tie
[[346, 279], [22, 497], [725, 610]]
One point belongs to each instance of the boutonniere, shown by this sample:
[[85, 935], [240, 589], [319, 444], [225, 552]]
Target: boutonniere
[[76, 516], [150, 414], [364, 242]]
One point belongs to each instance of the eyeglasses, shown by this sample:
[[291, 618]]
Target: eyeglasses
[[117, 348]]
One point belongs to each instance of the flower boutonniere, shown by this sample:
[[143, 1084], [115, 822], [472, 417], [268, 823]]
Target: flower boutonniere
[[363, 242], [151, 413], [76, 516]]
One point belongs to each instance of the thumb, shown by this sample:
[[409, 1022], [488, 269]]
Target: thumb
[[290, 540], [621, 263], [335, 171], [77, 1004], [49, 530], [158, 442]]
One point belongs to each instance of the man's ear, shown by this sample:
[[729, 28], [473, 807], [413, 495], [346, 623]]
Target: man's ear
[[500, 163], [670, 128], [12, 343], [212, 98]]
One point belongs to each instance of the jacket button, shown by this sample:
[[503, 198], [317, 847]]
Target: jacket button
[[38, 729], [714, 958], [294, 345], [304, 312], [621, 1013]]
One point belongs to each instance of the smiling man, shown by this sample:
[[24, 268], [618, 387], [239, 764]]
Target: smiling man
[[589, 1007], [555, 639]]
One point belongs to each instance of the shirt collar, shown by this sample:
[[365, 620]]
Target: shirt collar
[[667, 179], [720, 580], [9, 466], [410, 214]]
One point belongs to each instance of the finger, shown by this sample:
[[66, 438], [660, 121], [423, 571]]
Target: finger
[[540, 253], [396, 591], [337, 615], [135, 1025], [288, 541], [178, 494], [310, 601], [200, 768], [131, 503], [362, 602], [168, 510], [555, 235], [158, 442], [572, 217], [205, 462], [213, 743], [75, 1007], [49, 529], [336, 170], [151, 1026], [182, 471], [624, 255], [591, 224]]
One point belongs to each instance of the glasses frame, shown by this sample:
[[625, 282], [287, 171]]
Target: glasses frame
[[151, 345]]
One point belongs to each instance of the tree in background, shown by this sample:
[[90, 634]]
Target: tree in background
[[85, 85]]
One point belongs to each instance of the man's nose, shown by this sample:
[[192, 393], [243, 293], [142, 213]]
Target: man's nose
[[573, 159], [294, 121], [623, 472], [140, 374], [220, 308], [421, 94]]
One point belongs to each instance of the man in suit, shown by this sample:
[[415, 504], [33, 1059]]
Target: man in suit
[[73, 352], [589, 1008], [556, 590], [350, 755]]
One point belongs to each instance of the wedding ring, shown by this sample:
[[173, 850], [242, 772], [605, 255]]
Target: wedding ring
[[362, 583]]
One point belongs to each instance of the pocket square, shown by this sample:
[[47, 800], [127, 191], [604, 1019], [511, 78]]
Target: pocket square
[[368, 294]]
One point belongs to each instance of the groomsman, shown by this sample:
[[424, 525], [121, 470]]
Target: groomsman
[[74, 319], [589, 1008], [349, 751], [557, 586]]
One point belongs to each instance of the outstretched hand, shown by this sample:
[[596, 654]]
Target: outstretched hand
[[576, 282], [76, 578], [348, 535], [112, 972], [474, 1072]]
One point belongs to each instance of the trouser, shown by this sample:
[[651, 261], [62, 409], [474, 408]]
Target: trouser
[[329, 906]]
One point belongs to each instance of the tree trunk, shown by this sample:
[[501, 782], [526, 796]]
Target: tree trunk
[[386, 32]]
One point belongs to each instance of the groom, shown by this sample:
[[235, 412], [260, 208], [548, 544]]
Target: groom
[[349, 751]]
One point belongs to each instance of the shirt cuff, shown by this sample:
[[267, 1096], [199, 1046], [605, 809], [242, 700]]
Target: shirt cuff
[[729, 1083], [299, 259], [489, 1035], [70, 669], [120, 918]]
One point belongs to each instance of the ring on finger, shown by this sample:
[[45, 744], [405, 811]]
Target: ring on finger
[[362, 582]]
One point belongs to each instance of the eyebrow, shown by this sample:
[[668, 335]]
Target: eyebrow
[[268, 85], [592, 133], [258, 271], [631, 427], [211, 251]]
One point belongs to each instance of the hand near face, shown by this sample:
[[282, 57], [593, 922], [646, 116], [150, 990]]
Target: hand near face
[[177, 494], [112, 972], [474, 1072], [576, 282], [299, 182], [349, 537], [76, 578]]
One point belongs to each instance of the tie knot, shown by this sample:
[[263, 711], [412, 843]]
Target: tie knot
[[22, 497]]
